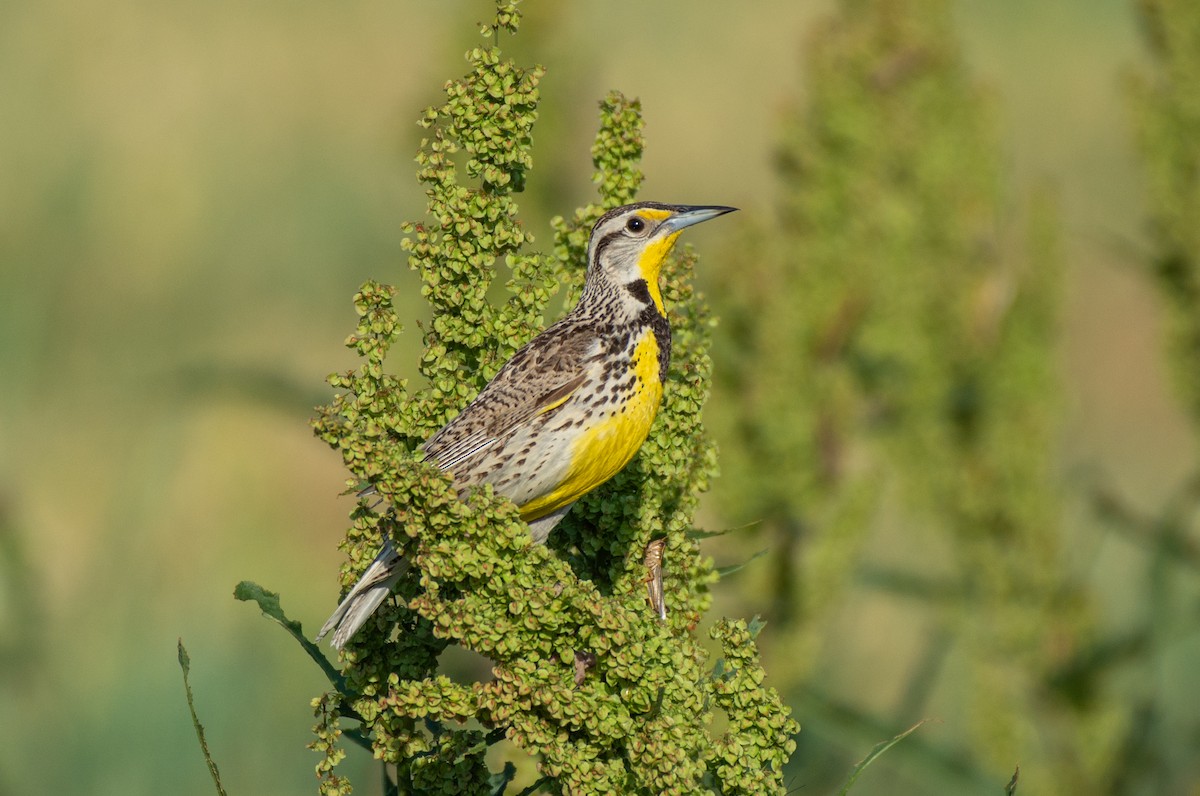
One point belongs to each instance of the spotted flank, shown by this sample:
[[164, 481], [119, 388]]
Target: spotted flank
[[572, 407]]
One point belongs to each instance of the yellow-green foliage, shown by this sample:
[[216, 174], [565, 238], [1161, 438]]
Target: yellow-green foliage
[[895, 360], [1168, 116], [638, 721]]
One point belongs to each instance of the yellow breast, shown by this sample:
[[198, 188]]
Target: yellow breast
[[607, 445]]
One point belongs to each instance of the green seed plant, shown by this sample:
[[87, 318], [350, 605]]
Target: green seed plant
[[587, 685], [896, 377], [1167, 108], [1156, 750]]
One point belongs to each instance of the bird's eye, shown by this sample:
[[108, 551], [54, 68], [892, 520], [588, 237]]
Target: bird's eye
[[635, 224]]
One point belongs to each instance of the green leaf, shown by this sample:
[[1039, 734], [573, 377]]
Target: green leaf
[[756, 625], [532, 789], [879, 749], [499, 782], [268, 603], [185, 663], [357, 737]]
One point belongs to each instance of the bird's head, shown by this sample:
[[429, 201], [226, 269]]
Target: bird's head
[[628, 245]]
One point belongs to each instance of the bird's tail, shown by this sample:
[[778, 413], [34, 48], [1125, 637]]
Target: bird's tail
[[377, 582], [371, 589]]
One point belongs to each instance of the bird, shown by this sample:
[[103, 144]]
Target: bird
[[569, 409]]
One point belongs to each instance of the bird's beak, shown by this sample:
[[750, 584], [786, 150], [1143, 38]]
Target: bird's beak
[[687, 215]]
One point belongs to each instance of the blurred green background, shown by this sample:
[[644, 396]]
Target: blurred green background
[[190, 195]]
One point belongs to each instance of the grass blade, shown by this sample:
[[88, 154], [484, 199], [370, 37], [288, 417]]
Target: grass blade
[[879, 749], [732, 568], [1011, 787], [185, 663]]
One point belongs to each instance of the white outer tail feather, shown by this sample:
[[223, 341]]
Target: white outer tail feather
[[376, 584], [371, 590]]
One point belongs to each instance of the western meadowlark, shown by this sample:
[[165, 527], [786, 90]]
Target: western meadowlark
[[573, 406]]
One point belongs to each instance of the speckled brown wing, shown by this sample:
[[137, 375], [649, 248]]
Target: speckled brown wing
[[539, 378]]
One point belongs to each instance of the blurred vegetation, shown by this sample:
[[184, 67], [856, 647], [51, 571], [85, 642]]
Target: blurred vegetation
[[1167, 104], [969, 413], [1155, 756], [891, 374]]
